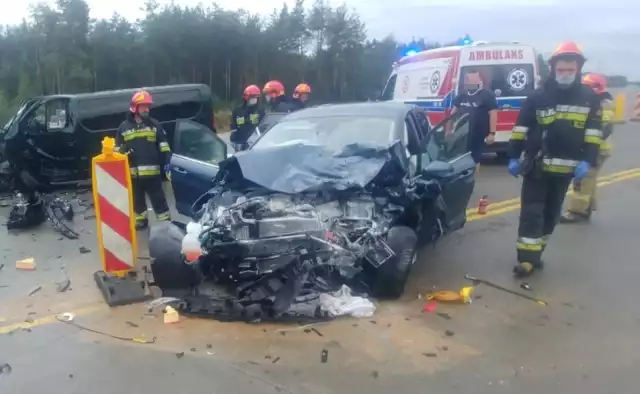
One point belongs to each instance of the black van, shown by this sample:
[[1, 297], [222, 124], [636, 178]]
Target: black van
[[65, 131]]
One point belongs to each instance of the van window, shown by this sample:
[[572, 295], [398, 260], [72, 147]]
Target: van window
[[507, 80], [387, 93], [50, 117], [170, 106], [107, 112]]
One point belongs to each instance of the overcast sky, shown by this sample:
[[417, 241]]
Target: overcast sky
[[608, 31]]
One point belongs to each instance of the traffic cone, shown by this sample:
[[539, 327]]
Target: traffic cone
[[636, 110]]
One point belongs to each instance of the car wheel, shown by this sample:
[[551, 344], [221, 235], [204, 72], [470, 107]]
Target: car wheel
[[390, 278], [168, 267]]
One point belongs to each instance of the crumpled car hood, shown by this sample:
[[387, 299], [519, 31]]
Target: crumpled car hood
[[298, 168]]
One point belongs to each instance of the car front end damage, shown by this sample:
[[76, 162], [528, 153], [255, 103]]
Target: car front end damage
[[271, 244]]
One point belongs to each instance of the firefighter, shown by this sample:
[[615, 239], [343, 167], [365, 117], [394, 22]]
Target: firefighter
[[583, 201], [144, 140], [301, 96], [245, 118], [275, 95], [559, 132]]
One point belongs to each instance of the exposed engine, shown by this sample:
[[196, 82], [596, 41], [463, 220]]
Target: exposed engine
[[295, 245]]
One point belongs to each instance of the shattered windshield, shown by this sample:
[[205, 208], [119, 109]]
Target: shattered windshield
[[333, 133]]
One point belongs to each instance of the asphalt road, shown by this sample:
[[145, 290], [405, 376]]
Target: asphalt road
[[585, 340]]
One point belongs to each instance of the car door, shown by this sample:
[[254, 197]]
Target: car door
[[447, 159], [53, 140], [197, 150]]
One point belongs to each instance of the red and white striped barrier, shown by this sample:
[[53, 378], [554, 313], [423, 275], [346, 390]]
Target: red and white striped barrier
[[113, 202], [114, 212]]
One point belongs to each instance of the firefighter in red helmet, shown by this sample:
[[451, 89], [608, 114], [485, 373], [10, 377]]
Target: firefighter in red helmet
[[144, 140], [274, 94], [583, 201], [245, 118], [556, 139], [301, 96]]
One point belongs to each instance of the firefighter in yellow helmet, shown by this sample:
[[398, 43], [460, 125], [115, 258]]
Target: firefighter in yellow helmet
[[144, 140], [301, 96], [583, 200]]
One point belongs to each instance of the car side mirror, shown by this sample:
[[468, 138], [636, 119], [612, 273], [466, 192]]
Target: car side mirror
[[437, 169]]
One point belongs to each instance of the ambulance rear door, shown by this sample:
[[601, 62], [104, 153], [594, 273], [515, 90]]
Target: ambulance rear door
[[510, 71]]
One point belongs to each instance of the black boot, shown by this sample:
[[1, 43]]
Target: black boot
[[142, 224], [526, 269]]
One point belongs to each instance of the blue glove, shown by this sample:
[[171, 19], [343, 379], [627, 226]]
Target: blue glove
[[514, 167], [581, 171]]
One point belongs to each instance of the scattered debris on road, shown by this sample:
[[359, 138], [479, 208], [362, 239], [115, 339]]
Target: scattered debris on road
[[171, 316], [84, 250], [430, 306], [525, 286], [63, 285], [477, 281], [430, 354], [324, 356], [462, 296], [5, 369], [34, 290], [343, 303], [443, 315], [449, 333], [28, 264], [65, 318]]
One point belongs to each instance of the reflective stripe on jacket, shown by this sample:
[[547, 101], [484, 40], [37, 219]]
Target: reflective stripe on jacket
[[147, 146], [564, 127]]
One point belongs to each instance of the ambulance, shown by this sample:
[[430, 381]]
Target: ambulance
[[432, 78]]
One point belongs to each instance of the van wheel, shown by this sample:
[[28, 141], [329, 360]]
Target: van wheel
[[390, 279]]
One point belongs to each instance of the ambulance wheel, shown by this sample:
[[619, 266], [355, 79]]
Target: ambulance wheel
[[390, 278]]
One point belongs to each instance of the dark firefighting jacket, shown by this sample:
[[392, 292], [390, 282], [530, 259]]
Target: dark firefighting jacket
[[281, 104], [244, 120], [147, 146], [561, 127], [297, 104]]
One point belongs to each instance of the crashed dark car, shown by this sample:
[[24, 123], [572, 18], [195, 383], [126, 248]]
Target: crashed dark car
[[332, 195]]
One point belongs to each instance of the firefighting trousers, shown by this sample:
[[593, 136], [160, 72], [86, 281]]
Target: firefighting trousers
[[151, 186], [583, 199], [540, 207]]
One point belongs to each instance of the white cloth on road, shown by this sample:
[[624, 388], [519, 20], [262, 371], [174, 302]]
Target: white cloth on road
[[342, 303]]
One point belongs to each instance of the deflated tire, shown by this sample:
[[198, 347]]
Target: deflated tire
[[390, 278], [168, 267]]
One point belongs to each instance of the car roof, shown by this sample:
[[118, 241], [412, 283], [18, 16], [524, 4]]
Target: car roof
[[389, 109], [204, 89]]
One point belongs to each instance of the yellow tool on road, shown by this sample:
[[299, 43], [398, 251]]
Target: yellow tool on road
[[464, 296]]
